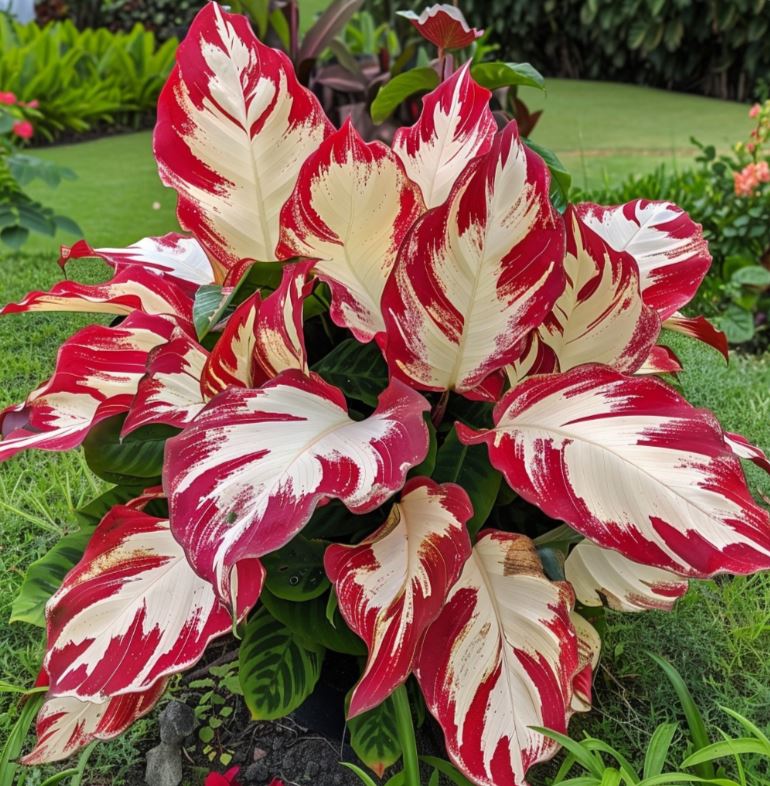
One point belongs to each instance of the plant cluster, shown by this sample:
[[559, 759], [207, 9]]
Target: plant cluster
[[716, 47], [19, 213], [729, 194], [389, 401], [83, 79]]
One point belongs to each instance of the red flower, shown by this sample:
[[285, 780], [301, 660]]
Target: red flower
[[443, 25], [23, 129], [222, 778], [276, 782], [9, 99]]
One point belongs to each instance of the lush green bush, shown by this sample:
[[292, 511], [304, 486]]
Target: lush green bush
[[83, 78], [730, 196], [718, 47]]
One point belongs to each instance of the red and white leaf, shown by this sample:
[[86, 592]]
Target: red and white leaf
[[97, 374], [65, 724], [600, 576], [631, 465], [443, 25], [661, 360], [589, 650], [261, 338], [455, 126], [245, 476], [668, 247], [132, 289], [600, 317], [351, 208], [161, 614], [477, 274], [500, 659], [701, 329], [234, 127], [178, 257], [537, 358], [393, 585], [170, 392], [741, 447]]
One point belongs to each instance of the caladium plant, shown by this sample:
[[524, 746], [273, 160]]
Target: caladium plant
[[385, 401]]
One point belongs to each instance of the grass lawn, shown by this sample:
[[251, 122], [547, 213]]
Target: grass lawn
[[719, 635]]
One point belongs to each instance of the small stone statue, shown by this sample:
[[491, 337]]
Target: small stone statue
[[164, 761]]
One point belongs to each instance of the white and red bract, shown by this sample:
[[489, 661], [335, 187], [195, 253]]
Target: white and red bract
[[234, 127], [602, 576], [351, 208], [668, 247], [631, 465], [392, 585], [477, 274], [501, 658], [245, 476], [455, 126], [97, 374], [65, 724], [164, 615]]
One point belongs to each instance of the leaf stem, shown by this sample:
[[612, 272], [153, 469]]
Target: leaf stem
[[440, 409], [406, 737]]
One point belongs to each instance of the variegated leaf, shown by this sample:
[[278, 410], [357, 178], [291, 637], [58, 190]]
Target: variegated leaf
[[661, 360], [178, 257], [666, 243], [162, 614], [477, 274], [500, 659], [132, 289], [351, 208], [600, 576], [97, 374], [741, 447], [455, 126], [443, 25], [170, 392], [392, 585], [589, 649], [246, 475], [699, 328], [66, 724], [631, 465], [234, 127], [600, 317], [261, 338]]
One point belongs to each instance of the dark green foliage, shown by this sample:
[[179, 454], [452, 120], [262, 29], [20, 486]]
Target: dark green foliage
[[717, 47]]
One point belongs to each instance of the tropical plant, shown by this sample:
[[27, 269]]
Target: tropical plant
[[83, 78], [19, 213], [386, 401]]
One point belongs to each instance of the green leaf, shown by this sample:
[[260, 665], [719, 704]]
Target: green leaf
[[731, 747], [752, 276], [211, 302], [401, 87], [469, 467], [365, 778], [498, 74], [67, 225], [13, 744], [14, 236], [658, 748], [447, 770], [374, 737], [359, 370], [296, 571], [136, 459], [44, 576], [309, 624], [737, 324], [561, 179], [276, 671]]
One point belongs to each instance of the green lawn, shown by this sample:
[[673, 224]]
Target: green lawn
[[719, 636]]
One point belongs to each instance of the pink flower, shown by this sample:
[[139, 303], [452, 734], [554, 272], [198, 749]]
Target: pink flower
[[23, 129], [751, 147], [762, 172], [222, 778], [9, 99], [755, 110], [34, 104], [748, 179]]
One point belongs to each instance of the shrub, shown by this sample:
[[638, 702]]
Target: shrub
[[385, 401], [83, 79]]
